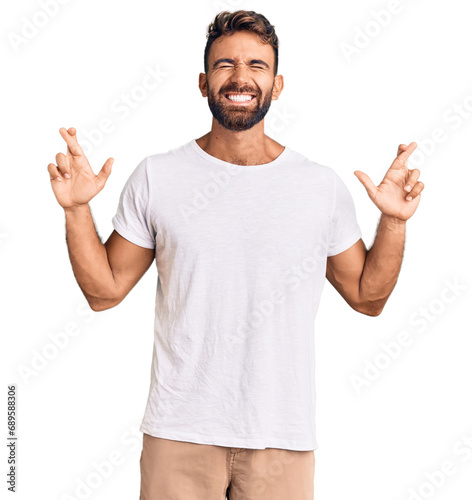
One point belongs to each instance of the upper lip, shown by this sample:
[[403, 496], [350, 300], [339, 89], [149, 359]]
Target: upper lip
[[239, 93]]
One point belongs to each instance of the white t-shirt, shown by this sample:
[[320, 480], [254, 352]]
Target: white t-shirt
[[241, 260]]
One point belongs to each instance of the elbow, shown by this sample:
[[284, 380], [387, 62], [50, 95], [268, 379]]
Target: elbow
[[372, 312], [369, 308], [370, 304], [97, 304]]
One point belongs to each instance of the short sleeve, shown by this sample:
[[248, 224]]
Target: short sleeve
[[344, 229], [131, 219]]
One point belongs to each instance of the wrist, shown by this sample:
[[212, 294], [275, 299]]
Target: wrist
[[76, 209], [393, 220]]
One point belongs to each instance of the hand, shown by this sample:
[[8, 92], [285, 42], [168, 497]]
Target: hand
[[398, 195], [72, 180]]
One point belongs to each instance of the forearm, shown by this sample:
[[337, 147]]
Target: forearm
[[88, 256], [383, 262]]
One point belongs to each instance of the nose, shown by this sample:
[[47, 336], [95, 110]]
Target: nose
[[240, 74]]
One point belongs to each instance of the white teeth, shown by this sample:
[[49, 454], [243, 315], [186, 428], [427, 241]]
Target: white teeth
[[239, 97]]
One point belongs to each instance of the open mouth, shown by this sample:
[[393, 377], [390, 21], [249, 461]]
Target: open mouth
[[240, 98]]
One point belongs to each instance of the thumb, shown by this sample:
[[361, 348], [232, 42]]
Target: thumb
[[366, 182], [104, 173]]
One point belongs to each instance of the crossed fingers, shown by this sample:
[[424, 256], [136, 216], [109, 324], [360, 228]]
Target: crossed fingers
[[412, 186], [70, 136]]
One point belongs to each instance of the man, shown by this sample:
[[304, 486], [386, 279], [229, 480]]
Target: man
[[244, 232]]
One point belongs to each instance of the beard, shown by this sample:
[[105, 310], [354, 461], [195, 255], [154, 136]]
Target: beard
[[239, 118]]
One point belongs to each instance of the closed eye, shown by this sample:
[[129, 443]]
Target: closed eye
[[255, 67]]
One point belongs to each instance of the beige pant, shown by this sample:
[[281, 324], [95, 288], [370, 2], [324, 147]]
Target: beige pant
[[179, 470]]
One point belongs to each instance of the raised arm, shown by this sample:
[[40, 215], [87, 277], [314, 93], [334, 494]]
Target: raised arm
[[105, 272], [366, 278]]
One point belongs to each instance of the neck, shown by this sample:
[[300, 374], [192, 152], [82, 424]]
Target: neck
[[246, 147]]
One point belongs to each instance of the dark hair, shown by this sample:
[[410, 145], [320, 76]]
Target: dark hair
[[226, 23]]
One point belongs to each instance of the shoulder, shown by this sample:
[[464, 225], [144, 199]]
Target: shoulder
[[318, 169], [165, 157]]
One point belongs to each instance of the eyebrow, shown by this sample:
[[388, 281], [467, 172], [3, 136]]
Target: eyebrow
[[253, 61]]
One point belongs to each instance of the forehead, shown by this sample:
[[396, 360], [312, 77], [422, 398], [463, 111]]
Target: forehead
[[241, 45]]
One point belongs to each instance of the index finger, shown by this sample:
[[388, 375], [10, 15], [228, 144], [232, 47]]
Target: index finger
[[401, 159], [71, 140]]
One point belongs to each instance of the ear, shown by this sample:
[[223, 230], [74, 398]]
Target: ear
[[278, 87], [202, 84]]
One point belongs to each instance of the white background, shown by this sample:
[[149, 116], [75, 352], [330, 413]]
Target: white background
[[85, 403]]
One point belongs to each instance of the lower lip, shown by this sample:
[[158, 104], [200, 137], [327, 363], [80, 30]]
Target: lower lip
[[240, 103]]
